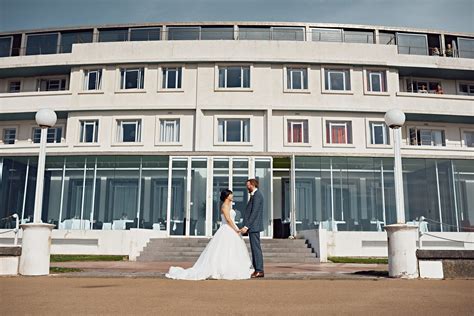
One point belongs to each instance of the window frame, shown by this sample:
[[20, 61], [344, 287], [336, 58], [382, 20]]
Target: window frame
[[241, 118], [469, 85], [367, 72], [336, 69], [370, 133], [9, 85], [216, 77], [11, 45], [5, 128], [56, 127], [289, 68], [409, 81], [303, 121], [431, 129], [177, 125], [86, 72], [51, 78], [118, 137], [164, 81], [463, 138], [140, 79], [58, 43], [95, 133], [411, 34], [329, 122]]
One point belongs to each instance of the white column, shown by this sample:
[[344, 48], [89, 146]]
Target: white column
[[398, 175], [40, 177]]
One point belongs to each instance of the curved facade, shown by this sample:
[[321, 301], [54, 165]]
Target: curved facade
[[155, 119]]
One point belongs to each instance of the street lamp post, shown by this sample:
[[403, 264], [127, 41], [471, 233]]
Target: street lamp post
[[401, 237], [36, 239]]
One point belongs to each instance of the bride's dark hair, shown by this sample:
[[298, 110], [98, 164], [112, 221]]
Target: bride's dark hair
[[225, 194]]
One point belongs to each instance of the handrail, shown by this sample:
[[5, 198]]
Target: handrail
[[17, 227]]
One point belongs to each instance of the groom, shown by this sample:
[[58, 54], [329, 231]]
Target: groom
[[253, 224]]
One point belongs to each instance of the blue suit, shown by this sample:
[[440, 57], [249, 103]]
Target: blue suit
[[253, 220]]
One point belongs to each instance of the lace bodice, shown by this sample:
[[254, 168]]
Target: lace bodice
[[232, 216]]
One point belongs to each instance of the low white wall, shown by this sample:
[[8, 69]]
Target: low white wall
[[374, 244], [97, 242]]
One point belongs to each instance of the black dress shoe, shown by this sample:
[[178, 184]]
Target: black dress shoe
[[258, 275]]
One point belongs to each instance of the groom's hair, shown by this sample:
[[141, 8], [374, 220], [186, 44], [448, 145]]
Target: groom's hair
[[253, 182]]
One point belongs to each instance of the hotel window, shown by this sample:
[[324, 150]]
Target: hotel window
[[379, 134], [365, 37], [327, 35], [467, 89], [55, 84], [297, 78], [287, 34], [54, 135], [6, 46], [422, 86], [172, 78], [40, 44], [89, 131], [466, 47], [297, 132], [113, 35], [145, 34], [337, 80], [412, 44], [469, 138], [234, 130], [9, 136], [132, 78], [338, 132], [255, 33], [234, 77], [129, 131], [70, 38], [14, 86], [183, 33], [217, 33], [376, 81], [427, 137], [93, 79], [169, 130]]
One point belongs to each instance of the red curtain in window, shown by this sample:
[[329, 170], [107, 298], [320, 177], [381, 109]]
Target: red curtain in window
[[338, 135], [297, 134]]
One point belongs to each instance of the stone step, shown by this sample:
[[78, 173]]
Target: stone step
[[197, 253], [156, 248], [193, 259], [202, 244], [206, 240]]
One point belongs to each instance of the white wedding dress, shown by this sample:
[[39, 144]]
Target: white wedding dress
[[225, 257]]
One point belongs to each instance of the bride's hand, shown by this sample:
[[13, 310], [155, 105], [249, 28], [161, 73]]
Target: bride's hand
[[237, 231]]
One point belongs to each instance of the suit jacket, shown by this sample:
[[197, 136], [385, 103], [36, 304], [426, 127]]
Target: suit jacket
[[253, 216]]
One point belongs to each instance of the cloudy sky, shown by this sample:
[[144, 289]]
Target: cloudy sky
[[450, 15]]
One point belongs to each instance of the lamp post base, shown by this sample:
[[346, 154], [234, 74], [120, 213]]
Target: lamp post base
[[402, 261], [36, 246]]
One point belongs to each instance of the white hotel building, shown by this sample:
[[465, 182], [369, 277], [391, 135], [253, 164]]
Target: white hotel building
[[154, 120]]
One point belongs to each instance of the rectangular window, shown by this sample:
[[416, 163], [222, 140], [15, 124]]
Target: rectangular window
[[55, 84], [89, 131], [172, 78], [297, 132], [469, 138], [338, 132], [145, 34], [217, 33], [466, 47], [132, 78], [255, 33], [70, 38], [366, 37], [129, 131], [386, 38], [234, 77], [183, 33], [287, 34], [412, 44], [169, 130], [9, 136], [93, 79], [337, 79], [113, 35], [376, 81], [379, 133], [327, 35], [422, 86], [427, 137], [40, 44], [54, 135], [6, 46], [297, 78], [466, 88], [14, 86], [234, 130]]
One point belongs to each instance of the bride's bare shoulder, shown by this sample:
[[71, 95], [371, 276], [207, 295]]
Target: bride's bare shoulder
[[225, 208]]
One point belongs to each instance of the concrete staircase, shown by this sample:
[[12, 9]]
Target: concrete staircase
[[189, 249]]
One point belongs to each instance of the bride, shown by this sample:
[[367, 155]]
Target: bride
[[225, 256]]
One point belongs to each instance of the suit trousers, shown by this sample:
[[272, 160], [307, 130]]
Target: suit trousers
[[257, 257]]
